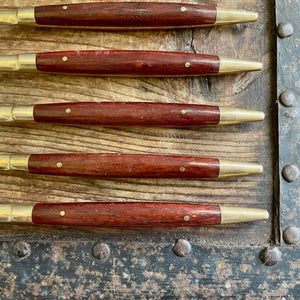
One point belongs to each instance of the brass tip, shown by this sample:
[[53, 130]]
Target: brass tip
[[231, 16], [17, 16], [231, 214], [236, 115], [230, 65], [15, 213], [238, 168]]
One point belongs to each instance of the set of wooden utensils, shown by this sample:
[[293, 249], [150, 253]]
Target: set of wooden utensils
[[120, 16]]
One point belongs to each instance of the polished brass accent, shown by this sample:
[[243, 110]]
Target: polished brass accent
[[238, 168], [17, 16], [182, 169], [59, 164], [15, 213], [186, 218], [231, 214], [187, 64], [65, 58], [183, 9], [183, 112], [62, 213], [230, 65], [14, 162], [10, 113], [19, 62], [230, 16], [68, 110], [230, 115]]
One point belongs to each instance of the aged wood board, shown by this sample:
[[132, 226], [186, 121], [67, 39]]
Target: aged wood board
[[247, 142]]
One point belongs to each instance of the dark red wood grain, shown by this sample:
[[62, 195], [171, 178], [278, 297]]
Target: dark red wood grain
[[127, 63], [126, 214], [126, 15], [124, 165], [127, 114]]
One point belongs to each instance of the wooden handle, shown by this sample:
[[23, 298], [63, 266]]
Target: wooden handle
[[127, 114], [128, 63], [125, 15], [126, 214], [124, 165]]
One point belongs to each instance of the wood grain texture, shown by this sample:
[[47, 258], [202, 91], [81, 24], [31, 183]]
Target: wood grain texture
[[127, 63], [126, 15], [127, 114], [245, 142], [126, 214], [123, 165]]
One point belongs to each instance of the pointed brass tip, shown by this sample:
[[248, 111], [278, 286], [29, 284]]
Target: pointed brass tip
[[232, 16], [230, 115], [231, 214], [230, 65], [238, 168]]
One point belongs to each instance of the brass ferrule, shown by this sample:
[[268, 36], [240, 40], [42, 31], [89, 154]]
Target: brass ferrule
[[231, 214], [19, 62], [231, 16], [230, 65], [236, 116], [17, 16], [237, 168], [15, 213], [10, 113], [14, 162]]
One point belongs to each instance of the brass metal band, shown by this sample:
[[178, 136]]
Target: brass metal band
[[231, 16], [230, 214], [14, 162], [230, 65], [230, 115], [17, 16], [237, 168], [15, 213], [10, 113], [19, 62]]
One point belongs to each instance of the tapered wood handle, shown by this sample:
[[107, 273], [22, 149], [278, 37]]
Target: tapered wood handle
[[127, 63], [125, 15], [126, 214], [124, 165], [127, 114]]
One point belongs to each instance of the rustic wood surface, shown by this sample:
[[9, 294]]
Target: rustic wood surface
[[248, 142]]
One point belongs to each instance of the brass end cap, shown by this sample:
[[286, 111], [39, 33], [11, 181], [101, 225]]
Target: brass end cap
[[17, 16], [14, 162], [236, 115], [15, 213], [238, 168], [230, 65], [231, 16], [231, 214]]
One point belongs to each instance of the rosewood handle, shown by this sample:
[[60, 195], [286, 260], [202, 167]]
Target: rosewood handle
[[127, 63], [126, 214], [125, 15], [127, 114], [124, 165]]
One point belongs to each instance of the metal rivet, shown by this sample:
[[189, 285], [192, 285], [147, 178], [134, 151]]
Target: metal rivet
[[270, 256], [65, 7], [182, 247], [285, 30], [183, 112], [62, 213], [64, 58], [182, 169], [186, 218], [20, 249], [290, 173], [287, 98], [187, 64], [291, 235], [183, 9], [101, 251], [68, 110], [59, 164]]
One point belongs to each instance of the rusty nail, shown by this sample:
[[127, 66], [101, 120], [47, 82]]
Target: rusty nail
[[291, 235], [20, 249], [287, 98], [270, 256], [285, 30], [290, 172], [182, 247], [101, 251]]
